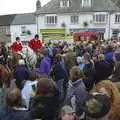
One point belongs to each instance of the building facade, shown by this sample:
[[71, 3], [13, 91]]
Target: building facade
[[23, 26], [5, 23], [102, 16]]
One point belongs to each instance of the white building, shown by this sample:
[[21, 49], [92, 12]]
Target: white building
[[5, 23], [102, 16], [23, 26]]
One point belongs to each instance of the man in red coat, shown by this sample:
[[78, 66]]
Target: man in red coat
[[17, 45], [35, 44]]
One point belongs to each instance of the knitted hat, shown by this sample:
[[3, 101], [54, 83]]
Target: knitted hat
[[97, 106], [79, 60], [21, 62], [67, 109]]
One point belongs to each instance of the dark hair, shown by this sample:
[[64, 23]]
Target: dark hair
[[33, 76], [36, 36], [17, 38]]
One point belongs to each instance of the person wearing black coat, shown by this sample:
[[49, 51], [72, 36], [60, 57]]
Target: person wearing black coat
[[46, 102], [102, 69], [21, 73]]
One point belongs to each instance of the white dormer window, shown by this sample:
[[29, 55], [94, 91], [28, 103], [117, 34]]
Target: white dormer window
[[64, 3], [86, 3], [100, 18], [117, 18], [51, 19]]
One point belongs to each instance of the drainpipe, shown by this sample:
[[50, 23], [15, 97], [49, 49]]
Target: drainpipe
[[109, 26], [37, 25], [109, 31]]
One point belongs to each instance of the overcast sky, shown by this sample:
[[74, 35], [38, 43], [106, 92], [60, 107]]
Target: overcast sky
[[18, 6]]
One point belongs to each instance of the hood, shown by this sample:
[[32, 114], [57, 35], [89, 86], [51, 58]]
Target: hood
[[75, 83]]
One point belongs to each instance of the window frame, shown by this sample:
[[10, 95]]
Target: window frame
[[74, 19], [23, 29], [64, 3], [86, 3], [117, 18], [100, 18], [51, 20]]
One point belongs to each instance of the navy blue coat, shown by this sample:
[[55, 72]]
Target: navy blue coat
[[102, 71], [21, 73], [11, 114], [60, 73]]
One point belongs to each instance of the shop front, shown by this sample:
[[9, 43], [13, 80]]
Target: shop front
[[115, 33], [100, 31], [72, 30]]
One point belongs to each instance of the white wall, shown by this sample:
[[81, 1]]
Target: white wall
[[16, 31], [88, 17], [113, 24]]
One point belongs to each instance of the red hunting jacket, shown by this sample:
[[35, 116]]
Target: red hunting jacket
[[16, 47], [35, 44]]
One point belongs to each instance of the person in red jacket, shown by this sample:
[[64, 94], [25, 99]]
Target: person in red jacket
[[35, 44], [17, 45]]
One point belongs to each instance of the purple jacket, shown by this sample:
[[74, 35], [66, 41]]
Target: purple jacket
[[45, 66]]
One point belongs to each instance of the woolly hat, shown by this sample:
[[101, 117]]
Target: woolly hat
[[101, 57], [79, 60], [67, 109], [97, 106], [21, 62]]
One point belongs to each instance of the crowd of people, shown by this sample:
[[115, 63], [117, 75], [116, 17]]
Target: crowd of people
[[70, 81]]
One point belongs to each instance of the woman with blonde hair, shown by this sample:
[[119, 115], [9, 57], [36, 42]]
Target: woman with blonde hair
[[109, 88]]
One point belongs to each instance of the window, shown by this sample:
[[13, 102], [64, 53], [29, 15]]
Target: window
[[3, 29], [86, 3], [7, 30], [23, 29], [115, 33], [101, 36], [117, 18], [100, 18], [64, 3], [51, 19], [74, 19]]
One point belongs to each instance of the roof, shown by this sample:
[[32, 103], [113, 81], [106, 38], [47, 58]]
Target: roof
[[4, 38], [117, 2], [27, 18], [6, 20], [76, 6]]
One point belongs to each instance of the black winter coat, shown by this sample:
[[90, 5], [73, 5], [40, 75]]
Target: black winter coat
[[44, 107], [12, 114], [102, 71]]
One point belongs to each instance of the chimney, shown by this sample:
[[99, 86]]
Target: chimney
[[38, 4]]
